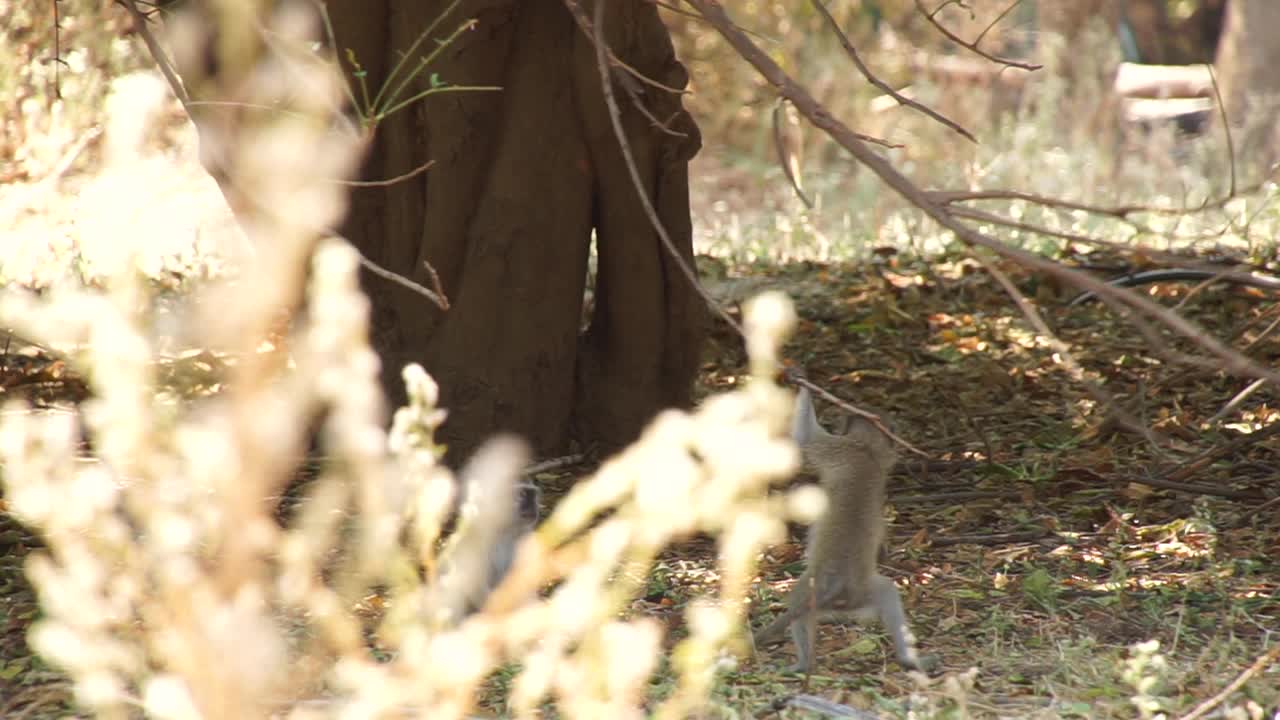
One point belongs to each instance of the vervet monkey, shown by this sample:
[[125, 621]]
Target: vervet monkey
[[523, 521], [496, 511], [840, 575]]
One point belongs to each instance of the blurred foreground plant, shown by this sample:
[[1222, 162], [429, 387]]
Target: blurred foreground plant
[[167, 584]]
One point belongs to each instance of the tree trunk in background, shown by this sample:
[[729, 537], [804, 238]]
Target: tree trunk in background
[[505, 215], [1247, 62]]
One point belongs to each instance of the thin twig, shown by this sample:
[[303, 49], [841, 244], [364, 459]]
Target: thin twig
[[993, 23], [876, 81], [1220, 452], [1265, 507], [1258, 666], [584, 24], [1191, 488], [615, 119], [1267, 331], [1226, 127], [158, 53], [785, 158], [695, 16], [555, 464], [1121, 212], [972, 46], [439, 298], [953, 497], [392, 181], [1064, 352], [993, 539]]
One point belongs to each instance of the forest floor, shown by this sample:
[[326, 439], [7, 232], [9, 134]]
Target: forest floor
[[1041, 538], [1038, 541]]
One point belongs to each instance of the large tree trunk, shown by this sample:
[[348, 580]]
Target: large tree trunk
[[520, 179], [1248, 56]]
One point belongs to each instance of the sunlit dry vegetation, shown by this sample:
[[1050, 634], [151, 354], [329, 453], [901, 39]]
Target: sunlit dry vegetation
[[203, 513]]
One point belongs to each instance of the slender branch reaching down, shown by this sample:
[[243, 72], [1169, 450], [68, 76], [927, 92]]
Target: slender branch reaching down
[[995, 539], [555, 464], [789, 169], [1197, 465], [615, 116], [1231, 361], [629, 83], [1122, 248], [1121, 212], [437, 296], [1064, 351], [695, 16], [1226, 127], [1258, 666], [391, 181], [993, 23], [876, 81], [615, 119], [1236, 401], [584, 24], [972, 46], [158, 54]]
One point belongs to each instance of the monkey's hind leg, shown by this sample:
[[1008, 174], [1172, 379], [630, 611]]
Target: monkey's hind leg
[[803, 630], [888, 605], [773, 632], [797, 602]]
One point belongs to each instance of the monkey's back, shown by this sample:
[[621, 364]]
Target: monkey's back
[[853, 470]]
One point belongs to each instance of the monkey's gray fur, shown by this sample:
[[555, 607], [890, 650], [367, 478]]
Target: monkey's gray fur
[[840, 576], [523, 521]]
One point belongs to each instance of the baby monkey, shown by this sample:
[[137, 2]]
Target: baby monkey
[[840, 575], [523, 521], [496, 511]]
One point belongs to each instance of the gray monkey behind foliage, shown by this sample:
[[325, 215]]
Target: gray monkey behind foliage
[[840, 576]]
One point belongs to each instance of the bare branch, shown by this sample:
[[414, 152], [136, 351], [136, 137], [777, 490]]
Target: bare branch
[[158, 54], [882, 85], [615, 118], [1064, 352], [972, 46], [993, 23], [1121, 212], [789, 169], [391, 181], [1258, 666], [1226, 128], [438, 298], [1231, 361]]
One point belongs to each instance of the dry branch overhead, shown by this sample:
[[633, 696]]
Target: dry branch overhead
[[880, 84], [1227, 358], [973, 46]]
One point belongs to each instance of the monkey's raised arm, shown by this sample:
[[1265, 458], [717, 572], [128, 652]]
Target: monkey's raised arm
[[804, 420]]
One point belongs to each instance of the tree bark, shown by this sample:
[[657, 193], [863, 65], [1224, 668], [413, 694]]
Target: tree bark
[[1248, 56], [505, 216]]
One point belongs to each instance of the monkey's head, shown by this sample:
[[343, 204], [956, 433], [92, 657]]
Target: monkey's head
[[866, 437]]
